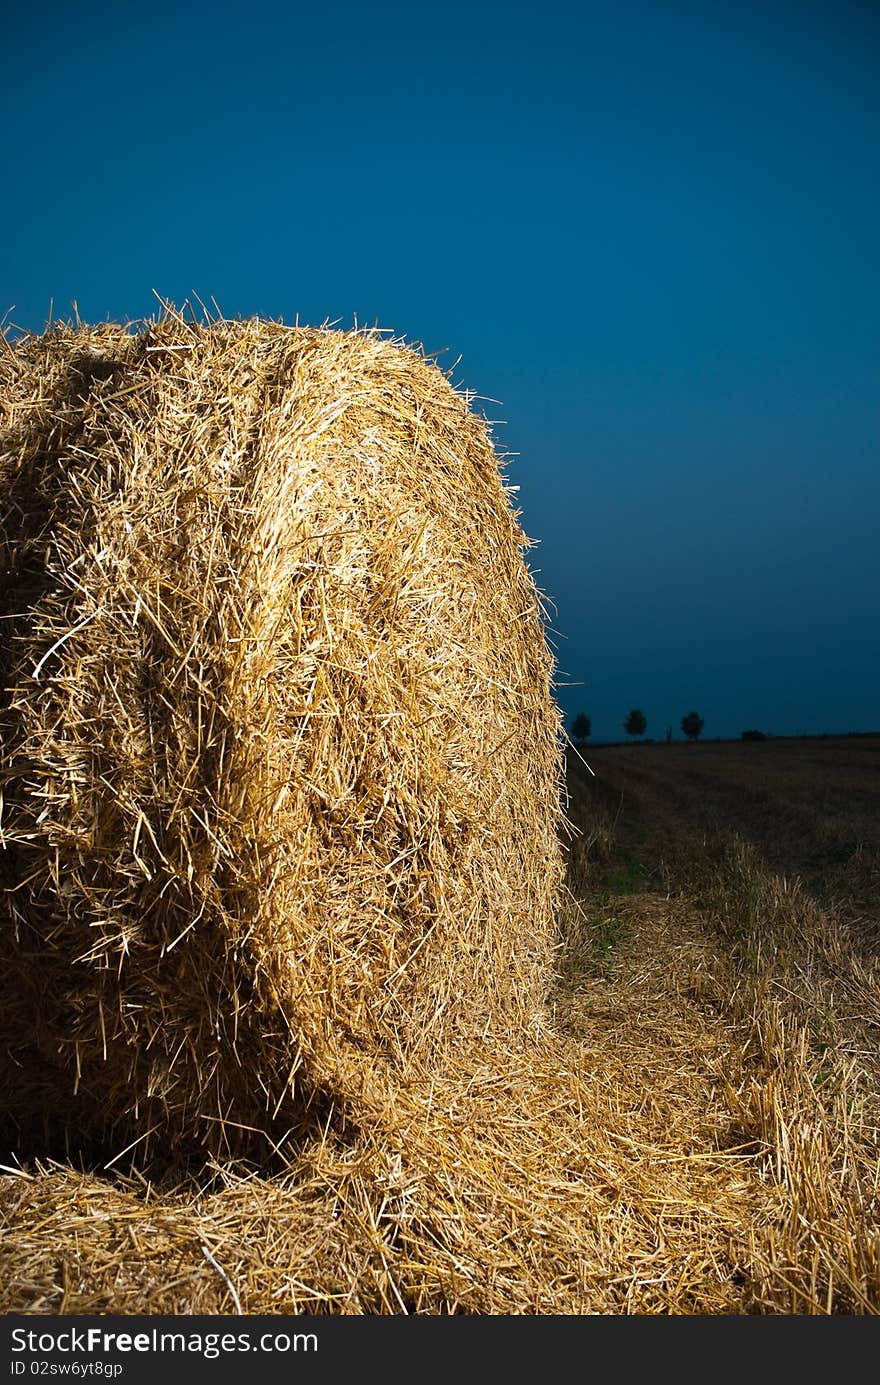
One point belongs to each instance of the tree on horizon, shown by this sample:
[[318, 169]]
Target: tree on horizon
[[636, 723], [692, 725], [581, 728]]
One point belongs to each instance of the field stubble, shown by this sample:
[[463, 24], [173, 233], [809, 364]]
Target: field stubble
[[773, 851]]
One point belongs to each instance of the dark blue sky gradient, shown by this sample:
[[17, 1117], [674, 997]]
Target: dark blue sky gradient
[[652, 231]]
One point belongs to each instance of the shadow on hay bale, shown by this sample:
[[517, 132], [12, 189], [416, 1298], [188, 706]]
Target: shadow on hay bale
[[280, 758]]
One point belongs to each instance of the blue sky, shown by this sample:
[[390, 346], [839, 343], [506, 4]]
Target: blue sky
[[650, 230]]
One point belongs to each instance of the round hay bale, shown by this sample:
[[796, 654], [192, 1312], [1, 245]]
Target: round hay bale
[[280, 757]]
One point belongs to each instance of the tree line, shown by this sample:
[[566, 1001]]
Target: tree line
[[636, 724]]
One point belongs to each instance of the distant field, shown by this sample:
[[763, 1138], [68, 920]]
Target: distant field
[[809, 808]]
